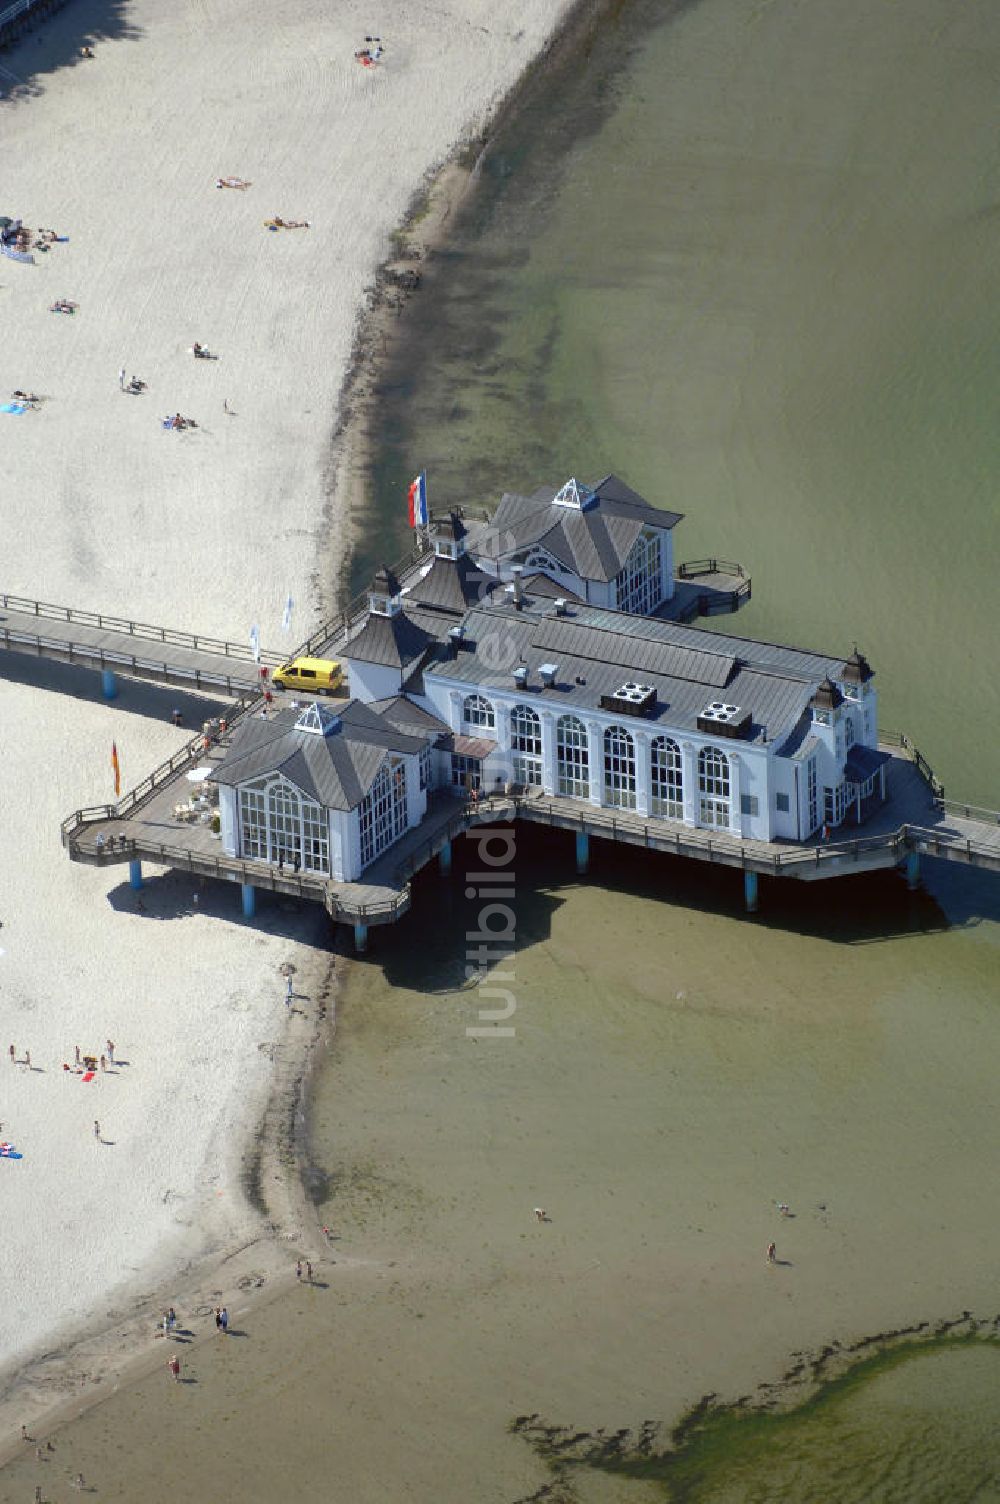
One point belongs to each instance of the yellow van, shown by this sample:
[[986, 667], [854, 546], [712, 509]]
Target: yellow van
[[321, 676]]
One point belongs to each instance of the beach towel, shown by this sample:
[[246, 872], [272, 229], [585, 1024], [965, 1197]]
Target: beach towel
[[7, 1151], [13, 407], [89, 1075], [8, 250]]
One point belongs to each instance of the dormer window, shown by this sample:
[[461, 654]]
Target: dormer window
[[383, 597]]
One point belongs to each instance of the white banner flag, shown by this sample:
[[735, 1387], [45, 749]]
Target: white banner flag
[[255, 643], [286, 620]]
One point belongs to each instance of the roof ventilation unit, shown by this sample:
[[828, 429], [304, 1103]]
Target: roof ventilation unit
[[456, 639], [547, 673], [631, 698], [560, 605], [521, 676], [721, 719]]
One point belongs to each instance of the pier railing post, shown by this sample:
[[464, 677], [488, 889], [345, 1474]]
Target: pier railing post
[[582, 852], [360, 936], [444, 860], [109, 686], [249, 895], [135, 873], [912, 869], [750, 891]]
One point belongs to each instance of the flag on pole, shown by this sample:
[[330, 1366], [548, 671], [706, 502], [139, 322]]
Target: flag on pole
[[286, 620], [418, 500], [117, 767], [255, 643]]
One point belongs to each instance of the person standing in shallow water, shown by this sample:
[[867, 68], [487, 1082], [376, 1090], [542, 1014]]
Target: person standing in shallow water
[[224, 1320]]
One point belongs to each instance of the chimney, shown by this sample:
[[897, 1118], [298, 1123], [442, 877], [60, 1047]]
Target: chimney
[[547, 673], [521, 676], [517, 570], [560, 605], [455, 635]]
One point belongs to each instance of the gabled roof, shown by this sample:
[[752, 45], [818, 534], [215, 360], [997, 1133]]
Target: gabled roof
[[593, 543], [337, 769]]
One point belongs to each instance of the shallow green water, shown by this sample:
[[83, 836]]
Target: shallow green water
[[748, 260]]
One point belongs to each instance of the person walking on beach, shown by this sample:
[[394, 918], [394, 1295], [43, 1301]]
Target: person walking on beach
[[27, 1060], [111, 1051], [288, 991], [174, 1364], [224, 1320], [121, 378], [309, 1271], [298, 1269], [104, 1063], [76, 1053], [771, 1254], [97, 1130], [13, 1054], [218, 1318]]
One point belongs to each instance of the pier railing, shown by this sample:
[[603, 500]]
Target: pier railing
[[695, 567], [901, 740], [135, 798], [197, 642]]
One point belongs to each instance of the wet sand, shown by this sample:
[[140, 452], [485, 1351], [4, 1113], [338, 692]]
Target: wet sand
[[659, 1097]]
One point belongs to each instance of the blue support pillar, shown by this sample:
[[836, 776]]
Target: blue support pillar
[[750, 892], [135, 873], [582, 851], [249, 893], [109, 685], [444, 860], [360, 937], [912, 869]]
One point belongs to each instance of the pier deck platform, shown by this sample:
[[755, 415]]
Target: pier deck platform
[[143, 827]]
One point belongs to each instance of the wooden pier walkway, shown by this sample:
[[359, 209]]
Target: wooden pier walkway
[[185, 660]]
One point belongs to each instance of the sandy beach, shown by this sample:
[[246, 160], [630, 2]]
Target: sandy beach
[[209, 528]]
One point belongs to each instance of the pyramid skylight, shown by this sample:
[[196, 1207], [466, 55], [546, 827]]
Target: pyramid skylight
[[319, 719], [573, 495]]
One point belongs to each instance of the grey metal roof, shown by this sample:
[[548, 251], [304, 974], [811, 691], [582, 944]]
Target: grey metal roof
[[393, 641], [452, 585], [596, 651], [863, 762], [561, 634], [401, 712], [337, 769], [593, 543]]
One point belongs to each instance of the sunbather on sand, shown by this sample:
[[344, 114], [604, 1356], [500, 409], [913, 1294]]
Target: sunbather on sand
[[277, 223], [232, 183], [62, 305]]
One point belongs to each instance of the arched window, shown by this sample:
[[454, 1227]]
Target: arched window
[[479, 712], [526, 745], [279, 824], [382, 812], [713, 788], [539, 559], [666, 779], [619, 768], [639, 586], [572, 757]]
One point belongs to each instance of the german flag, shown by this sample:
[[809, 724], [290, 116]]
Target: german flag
[[117, 767]]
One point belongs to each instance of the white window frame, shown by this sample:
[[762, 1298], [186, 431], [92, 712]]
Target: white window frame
[[714, 789], [278, 822], [382, 812], [639, 585], [619, 768], [480, 712], [526, 746], [666, 779], [572, 758]]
